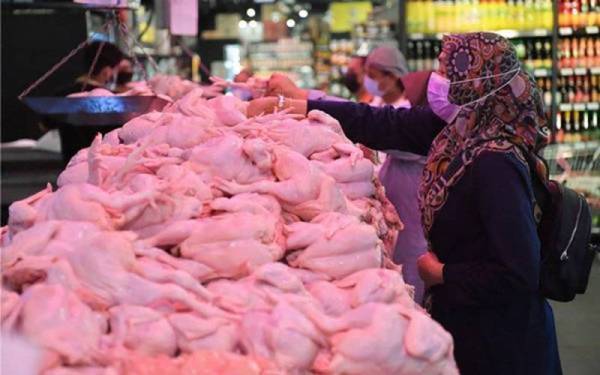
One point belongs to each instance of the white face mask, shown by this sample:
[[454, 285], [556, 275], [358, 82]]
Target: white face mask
[[372, 86], [439, 87]]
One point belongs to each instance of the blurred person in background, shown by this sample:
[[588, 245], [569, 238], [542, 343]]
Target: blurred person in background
[[384, 69], [105, 58], [354, 79], [401, 172], [124, 75]]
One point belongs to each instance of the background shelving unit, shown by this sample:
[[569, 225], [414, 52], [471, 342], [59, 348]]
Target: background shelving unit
[[558, 42]]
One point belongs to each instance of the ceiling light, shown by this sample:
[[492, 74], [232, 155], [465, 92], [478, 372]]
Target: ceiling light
[[290, 23], [251, 12], [303, 13], [242, 24]]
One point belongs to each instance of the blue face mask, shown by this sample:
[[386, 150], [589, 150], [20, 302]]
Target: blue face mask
[[241, 93], [372, 86]]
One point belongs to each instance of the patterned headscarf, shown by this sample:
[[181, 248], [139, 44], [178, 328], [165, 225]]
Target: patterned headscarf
[[510, 113]]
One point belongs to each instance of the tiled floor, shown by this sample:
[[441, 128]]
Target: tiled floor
[[578, 326]]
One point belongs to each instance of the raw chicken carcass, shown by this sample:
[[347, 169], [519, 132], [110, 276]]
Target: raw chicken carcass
[[232, 259], [171, 86], [22, 214], [229, 109], [335, 244], [141, 126], [196, 270], [9, 302], [302, 138], [323, 119], [224, 156], [232, 226], [85, 202], [59, 321], [82, 370], [194, 103], [106, 266], [284, 335], [197, 333], [378, 285], [343, 170], [198, 363], [141, 329], [393, 340], [301, 187], [173, 228], [91, 93], [333, 300]]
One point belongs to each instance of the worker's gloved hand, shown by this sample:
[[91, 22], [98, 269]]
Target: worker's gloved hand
[[280, 84]]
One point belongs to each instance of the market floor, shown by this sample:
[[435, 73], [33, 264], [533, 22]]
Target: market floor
[[578, 326]]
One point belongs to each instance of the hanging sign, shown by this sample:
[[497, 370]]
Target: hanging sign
[[346, 15], [183, 17]]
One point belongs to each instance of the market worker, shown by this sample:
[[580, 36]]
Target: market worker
[[476, 199], [401, 172], [384, 69], [124, 75], [354, 79], [104, 71]]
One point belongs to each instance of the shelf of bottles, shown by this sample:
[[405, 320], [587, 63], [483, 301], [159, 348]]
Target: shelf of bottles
[[578, 81], [528, 23], [513, 18]]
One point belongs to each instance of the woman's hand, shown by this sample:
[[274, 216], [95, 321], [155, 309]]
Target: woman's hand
[[261, 106], [431, 269], [280, 84]]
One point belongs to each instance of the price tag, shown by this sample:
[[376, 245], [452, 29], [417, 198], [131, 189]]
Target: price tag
[[566, 72], [595, 70], [565, 107], [183, 17], [592, 30], [541, 72], [593, 106], [417, 36], [579, 107], [540, 32], [580, 71], [565, 31]]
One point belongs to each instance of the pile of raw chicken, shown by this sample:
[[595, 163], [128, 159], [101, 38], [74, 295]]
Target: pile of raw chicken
[[198, 241], [168, 87]]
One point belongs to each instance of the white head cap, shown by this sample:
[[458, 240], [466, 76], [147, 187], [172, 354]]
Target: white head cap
[[388, 59]]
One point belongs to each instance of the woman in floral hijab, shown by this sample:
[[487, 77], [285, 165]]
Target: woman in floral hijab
[[504, 107], [476, 199]]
